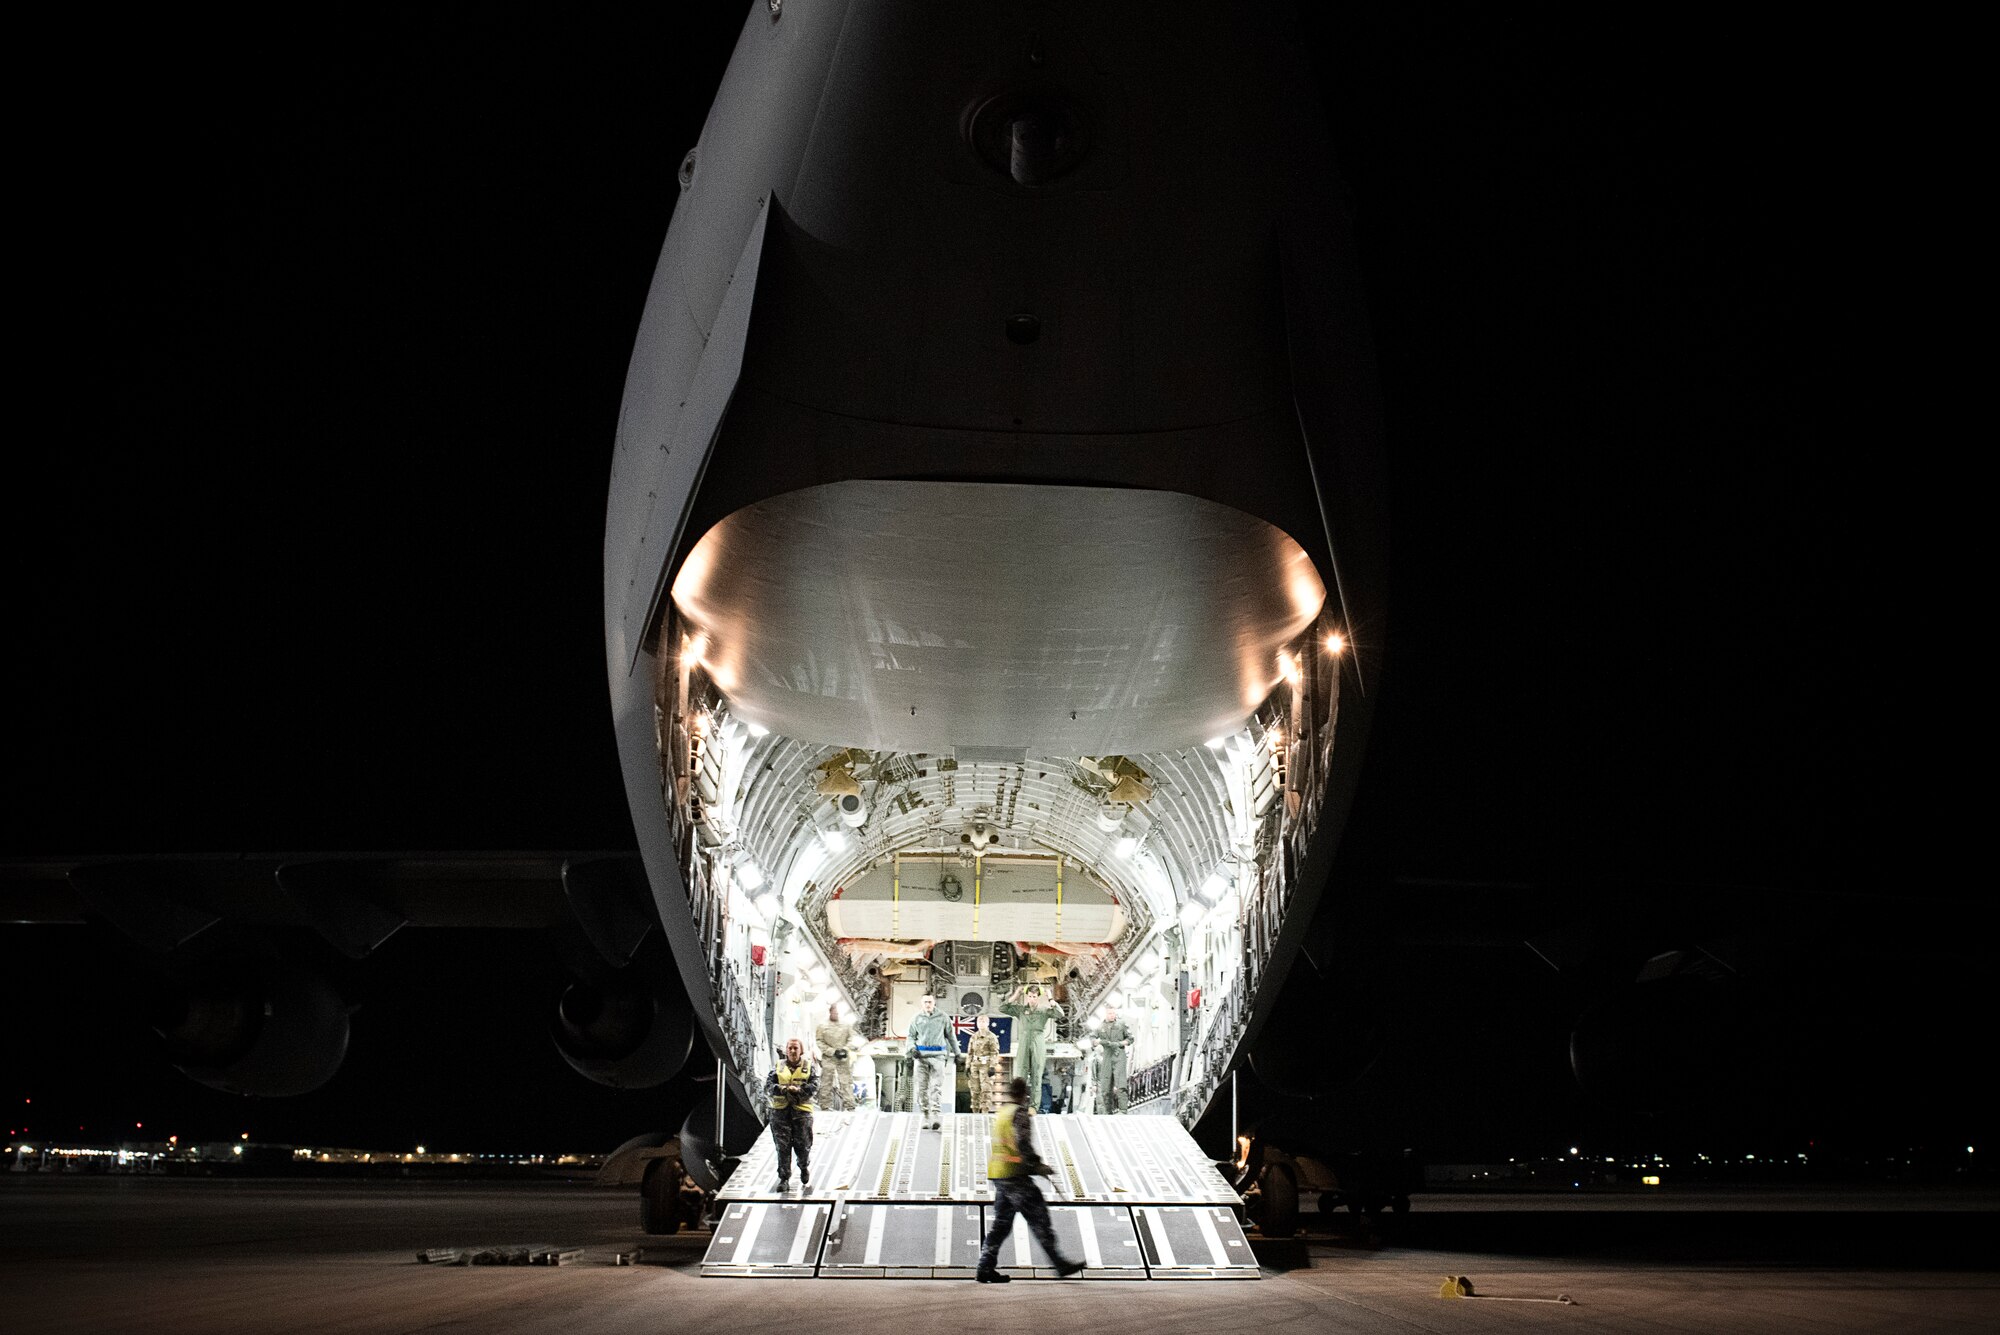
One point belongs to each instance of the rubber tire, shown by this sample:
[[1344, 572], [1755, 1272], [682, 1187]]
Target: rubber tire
[[1280, 1216], [660, 1197]]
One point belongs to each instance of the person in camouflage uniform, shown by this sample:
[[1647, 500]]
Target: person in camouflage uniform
[[790, 1087], [837, 1043], [982, 1054]]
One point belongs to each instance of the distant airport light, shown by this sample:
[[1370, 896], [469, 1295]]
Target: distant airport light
[[1650, 1180], [420, 1149], [236, 1149], [244, 1136], [1336, 644]]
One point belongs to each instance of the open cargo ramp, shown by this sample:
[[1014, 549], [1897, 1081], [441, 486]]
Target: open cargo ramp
[[1132, 1195]]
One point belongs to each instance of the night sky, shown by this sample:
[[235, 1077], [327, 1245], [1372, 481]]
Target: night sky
[[331, 325]]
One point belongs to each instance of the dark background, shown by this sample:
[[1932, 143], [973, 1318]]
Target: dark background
[[330, 324]]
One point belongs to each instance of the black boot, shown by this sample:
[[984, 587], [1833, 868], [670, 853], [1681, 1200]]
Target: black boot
[[985, 1276], [1064, 1269]]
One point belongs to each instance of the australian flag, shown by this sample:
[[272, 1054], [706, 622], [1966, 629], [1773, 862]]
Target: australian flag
[[963, 1027]]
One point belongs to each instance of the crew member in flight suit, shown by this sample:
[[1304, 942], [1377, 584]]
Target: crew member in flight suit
[[982, 1063], [790, 1088], [837, 1041], [1114, 1063], [1032, 1018], [935, 1054], [1013, 1168]]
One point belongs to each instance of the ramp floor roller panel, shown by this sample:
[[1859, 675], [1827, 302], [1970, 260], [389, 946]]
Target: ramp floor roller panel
[[899, 1240], [1101, 1236], [767, 1238], [872, 1156], [1193, 1242]]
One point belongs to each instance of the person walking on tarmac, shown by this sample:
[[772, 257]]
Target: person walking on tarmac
[[837, 1041], [1033, 1016], [1013, 1168], [934, 1052], [790, 1088]]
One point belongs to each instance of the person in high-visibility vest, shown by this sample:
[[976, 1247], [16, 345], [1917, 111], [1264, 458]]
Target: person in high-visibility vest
[[790, 1087], [1013, 1167]]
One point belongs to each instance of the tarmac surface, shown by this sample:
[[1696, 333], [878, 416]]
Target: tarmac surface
[[175, 1254]]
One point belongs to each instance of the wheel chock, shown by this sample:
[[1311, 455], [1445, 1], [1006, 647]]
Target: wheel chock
[[1460, 1286]]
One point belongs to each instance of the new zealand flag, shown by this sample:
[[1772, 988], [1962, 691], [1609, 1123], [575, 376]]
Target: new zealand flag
[[963, 1027]]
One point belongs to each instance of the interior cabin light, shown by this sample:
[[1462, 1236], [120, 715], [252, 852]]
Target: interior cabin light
[[1191, 914], [835, 841], [1217, 743], [1288, 668], [750, 876], [1336, 644], [1127, 846], [757, 729]]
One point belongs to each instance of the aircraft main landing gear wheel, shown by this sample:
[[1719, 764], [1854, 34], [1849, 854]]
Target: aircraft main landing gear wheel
[[660, 1197], [1279, 1217]]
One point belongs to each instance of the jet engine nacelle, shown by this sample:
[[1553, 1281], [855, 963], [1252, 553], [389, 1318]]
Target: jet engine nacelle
[[253, 1024], [1670, 1043], [706, 1157], [624, 1031]]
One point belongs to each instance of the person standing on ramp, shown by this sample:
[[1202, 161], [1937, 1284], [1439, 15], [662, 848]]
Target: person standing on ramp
[[1013, 1168], [837, 1041], [934, 1056], [790, 1088]]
